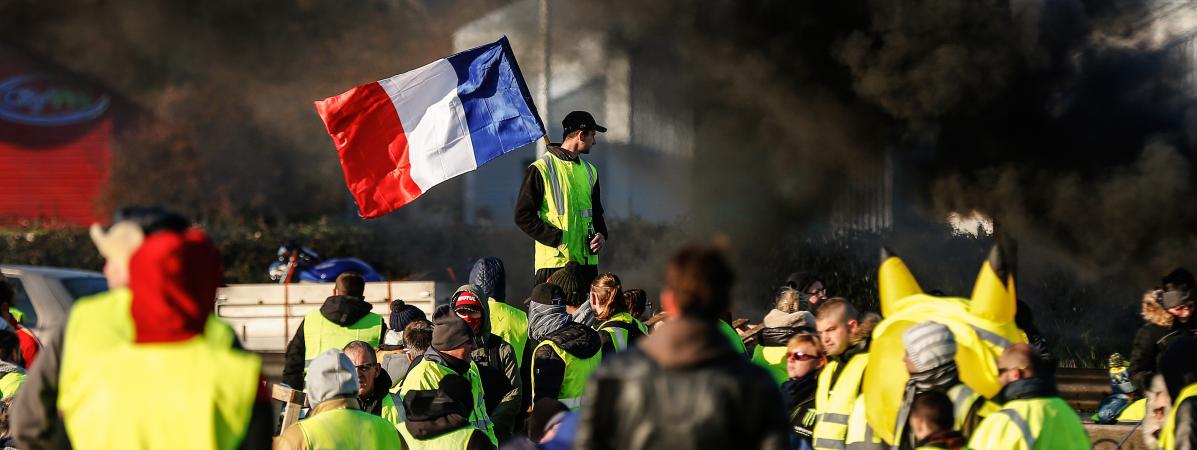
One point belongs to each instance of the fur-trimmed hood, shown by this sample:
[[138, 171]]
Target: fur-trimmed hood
[[1152, 311]]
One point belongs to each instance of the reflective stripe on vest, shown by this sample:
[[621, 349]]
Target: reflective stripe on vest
[[1027, 437], [566, 207], [835, 403], [1168, 432], [391, 411], [320, 334], [577, 372], [349, 428], [184, 395], [991, 337], [427, 375], [620, 327]]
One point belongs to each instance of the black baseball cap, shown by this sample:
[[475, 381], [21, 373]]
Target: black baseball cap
[[580, 120]]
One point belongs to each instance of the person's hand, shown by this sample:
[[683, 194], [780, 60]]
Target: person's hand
[[598, 242]]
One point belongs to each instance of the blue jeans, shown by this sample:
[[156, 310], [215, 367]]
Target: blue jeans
[[1110, 408]]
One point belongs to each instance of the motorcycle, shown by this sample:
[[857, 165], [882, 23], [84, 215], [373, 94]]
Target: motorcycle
[[298, 263]]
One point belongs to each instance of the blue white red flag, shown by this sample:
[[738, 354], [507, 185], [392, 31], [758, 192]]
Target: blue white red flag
[[399, 137]]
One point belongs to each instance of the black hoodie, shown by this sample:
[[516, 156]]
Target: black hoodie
[[576, 339], [342, 310]]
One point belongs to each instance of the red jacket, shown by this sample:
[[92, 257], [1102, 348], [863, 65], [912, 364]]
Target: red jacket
[[29, 343]]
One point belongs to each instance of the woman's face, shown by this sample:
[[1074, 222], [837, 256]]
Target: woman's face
[[801, 360]]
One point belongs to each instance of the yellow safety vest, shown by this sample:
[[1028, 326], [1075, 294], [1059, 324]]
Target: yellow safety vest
[[10, 384], [860, 435], [392, 411], [182, 395], [963, 399], [511, 324], [567, 207], [577, 372], [1021, 425], [320, 334], [619, 335], [733, 336], [349, 428], [1168, 432], [427, 375], [103, 321], [772, 358], [835, 403]]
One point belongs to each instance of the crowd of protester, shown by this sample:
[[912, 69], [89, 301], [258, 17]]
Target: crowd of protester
[[582, 363]]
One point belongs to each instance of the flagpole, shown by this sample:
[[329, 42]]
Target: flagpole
[[543, 87]]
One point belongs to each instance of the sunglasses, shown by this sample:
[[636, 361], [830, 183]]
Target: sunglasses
[[801, 357]]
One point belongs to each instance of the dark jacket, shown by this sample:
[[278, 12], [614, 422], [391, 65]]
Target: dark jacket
[[496, 358], [430, 413], [576, 339], [1159, 331], [342, 310], [372, 402], [682, 387], [531, 196], [799, 396]]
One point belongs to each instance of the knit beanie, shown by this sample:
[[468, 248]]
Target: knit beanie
[[449, 331], [547, 294], [929, 345], [568, 278], [403, 314]]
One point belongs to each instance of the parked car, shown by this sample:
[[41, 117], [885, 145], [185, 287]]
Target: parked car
[[45, 294]]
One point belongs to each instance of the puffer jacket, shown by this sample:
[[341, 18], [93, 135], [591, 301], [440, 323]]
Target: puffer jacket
[[1159, 331], [681, 388], [494, 352], [576, 339]]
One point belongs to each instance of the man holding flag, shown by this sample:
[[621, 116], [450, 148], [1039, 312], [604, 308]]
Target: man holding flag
[[559, 206]]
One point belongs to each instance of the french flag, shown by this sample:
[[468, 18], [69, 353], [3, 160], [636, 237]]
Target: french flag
[[399, 137]]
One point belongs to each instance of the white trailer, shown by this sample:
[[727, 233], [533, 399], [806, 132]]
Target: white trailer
[[265, 316]]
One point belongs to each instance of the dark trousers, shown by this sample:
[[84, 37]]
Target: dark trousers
[[588, 274]]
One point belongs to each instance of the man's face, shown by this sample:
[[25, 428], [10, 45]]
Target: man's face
[[1182, 311], [586, 140], [1009, 369], [367, 370], [835, 333]]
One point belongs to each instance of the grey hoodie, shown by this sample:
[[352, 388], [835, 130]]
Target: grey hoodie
[[331, 375]]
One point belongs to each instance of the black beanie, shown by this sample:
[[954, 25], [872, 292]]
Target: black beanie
[[449, 331], [567, 278], [403, 314], [547, 294]]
